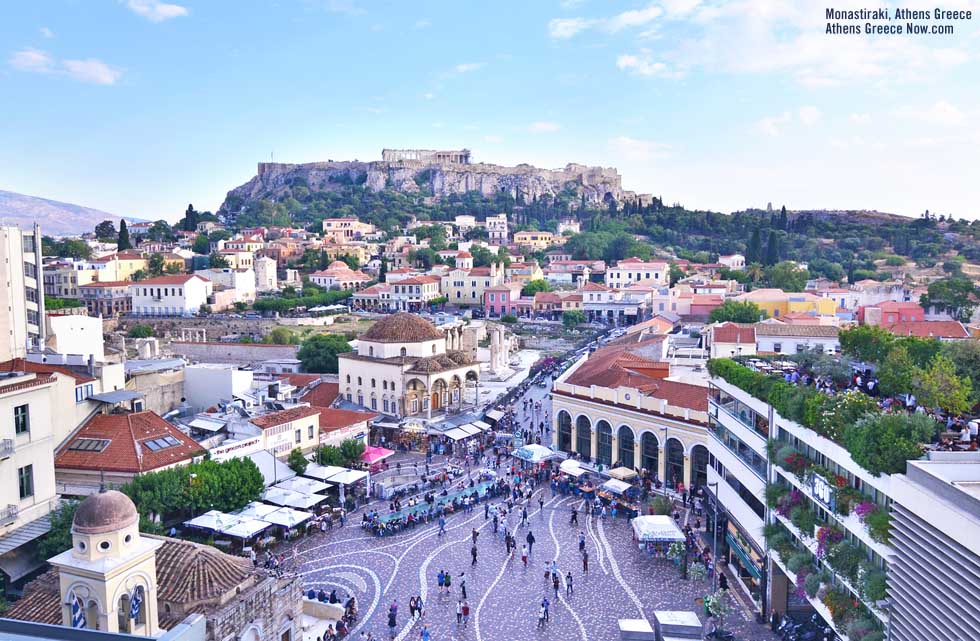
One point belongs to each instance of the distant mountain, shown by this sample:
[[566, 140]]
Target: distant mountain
[[56, 218]]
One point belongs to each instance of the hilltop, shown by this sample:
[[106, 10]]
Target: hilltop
[[55, 217]]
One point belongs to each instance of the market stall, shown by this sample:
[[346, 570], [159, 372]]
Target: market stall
[[347, 479], [655, 533], [288, 498], [620, 496], [373, 456], [304, 485], [534, 453], [571, 468], [623, 474], [322, 472]]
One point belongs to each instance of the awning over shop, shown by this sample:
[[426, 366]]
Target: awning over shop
[[743, 556], [288, 498], [494, 415], [470, 429], [303, 485], [322, 472], [374, 454], [25, 534], [20, 562], [571, 467], [273, 470], [456, 434], [348, 477], [287, 517], [213, 520], [622, 473], [656, 529], [482, 425], [616, 486], [245, 528], [534, 453]]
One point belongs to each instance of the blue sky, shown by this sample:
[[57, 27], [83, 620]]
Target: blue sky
[[139, 106]]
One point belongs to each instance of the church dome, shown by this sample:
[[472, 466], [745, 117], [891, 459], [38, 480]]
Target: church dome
[[338, 264], [109, 511], [402, 328]]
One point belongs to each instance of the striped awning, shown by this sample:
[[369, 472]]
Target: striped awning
[[743, 556]]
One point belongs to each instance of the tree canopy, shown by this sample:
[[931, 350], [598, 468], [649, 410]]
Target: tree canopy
[[736, 312], [319, 352]]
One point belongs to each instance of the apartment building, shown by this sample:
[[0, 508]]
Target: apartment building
[[340, 230], [534, 240], [633, 270], [467, 286], [21, 292], [179, 295], [106, 299]]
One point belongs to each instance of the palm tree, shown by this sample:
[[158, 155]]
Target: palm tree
[[755, 272]]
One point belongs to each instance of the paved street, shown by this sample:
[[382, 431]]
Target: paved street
[[503, 595]]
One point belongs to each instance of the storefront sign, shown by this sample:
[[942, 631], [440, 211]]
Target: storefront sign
[[236, 449], [823, 491]]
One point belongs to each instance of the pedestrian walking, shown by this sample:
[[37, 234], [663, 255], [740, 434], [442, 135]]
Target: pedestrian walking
[[419, 606], [466, 613], [530, 542], [442, 525], [459, 612], [574, 519], [524, 515], [569, 590], [581, 541], [473, 554], [524, 554], [411, 607], [722, 581], [486, 511], [462, 584], [541, 505], [442, 581], [449, 583], [585, 562], [547, 609], [556, 583], [541, 612], [425, 635]]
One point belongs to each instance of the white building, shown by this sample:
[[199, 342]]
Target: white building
[[632, 270], [242, 281], [773, 337], [265, 274], [569, 225], [733, 261], [339, 275], [178, 295], [76, 335], [497, 229], [207, 384], [21, 292]]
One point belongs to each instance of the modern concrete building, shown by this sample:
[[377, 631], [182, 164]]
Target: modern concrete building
[[21, 292], [180, 295]]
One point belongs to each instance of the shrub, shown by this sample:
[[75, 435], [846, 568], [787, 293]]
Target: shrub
[[790, 459], [661, 506], [877, 519], [510, 319], [697, 571], [775, 491], [882, 443], [873, 583], [140, 330], [787, 502], [804, 519], [860, 628], [799, 560], [845, 558], [847, 498], [827, 537], [811, 585], [841, 606]]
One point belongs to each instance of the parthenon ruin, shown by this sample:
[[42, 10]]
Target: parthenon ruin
[[460, 157]]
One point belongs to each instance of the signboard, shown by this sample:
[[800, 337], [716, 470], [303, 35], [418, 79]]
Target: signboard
[[823, 491], [236, 449], [518, 441]]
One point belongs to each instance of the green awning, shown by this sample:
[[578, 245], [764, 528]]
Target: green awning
[[743, 556]]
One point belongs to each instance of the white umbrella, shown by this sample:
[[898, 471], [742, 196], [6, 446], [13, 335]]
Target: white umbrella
[[656, 529]]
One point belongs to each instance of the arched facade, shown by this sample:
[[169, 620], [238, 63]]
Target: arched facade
[[564, 432], [674, 472], [650, 453], [626, 456], [699, 465], [583, 436], [604, 437]]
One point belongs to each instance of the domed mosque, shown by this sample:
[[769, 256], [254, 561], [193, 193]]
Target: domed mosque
[[406, 366], [115, 579]]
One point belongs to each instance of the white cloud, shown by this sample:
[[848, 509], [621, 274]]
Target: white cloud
[[156, 11], [492, 139], [679, 8], [773, 125], [33, 60], [634, 18], [809, 115], [92, 70], [635, 149], [571, 4], [563, 28], [860, 118], [644, 65], [939, 113], [467, 67], [423, 23], [47, 33], [428, 95], [543, 127]]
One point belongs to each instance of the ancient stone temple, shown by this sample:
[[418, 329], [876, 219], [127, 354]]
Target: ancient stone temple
[[460, 157]]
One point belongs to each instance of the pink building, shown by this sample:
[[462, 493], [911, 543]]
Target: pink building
[[501, 299]]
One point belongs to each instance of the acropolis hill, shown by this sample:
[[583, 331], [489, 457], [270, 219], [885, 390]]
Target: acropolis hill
[[439, 173]]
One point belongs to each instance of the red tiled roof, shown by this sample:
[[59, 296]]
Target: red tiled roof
[[273, 419], [546, 297], [300, 380], [335, 419], [419, 280], [109, 283], [323, 395], [37, 381], [22, 365], [733, 333], [127, 450], [595, 287], [929, 329], [175, 279]]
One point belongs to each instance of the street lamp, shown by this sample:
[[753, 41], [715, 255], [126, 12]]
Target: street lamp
[[666, 459], [714, 536]]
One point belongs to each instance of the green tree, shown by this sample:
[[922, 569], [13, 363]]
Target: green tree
[[106, 232], [966, 357], [140, 330], [383, 270], [189, 222], [676, 273], [351, 261], [868, 343], [160, 231], [572, 318], [535, 286], [281, 336], [155, 265], [329, 455], [351, 451], [218, 261], [174, 268], [897, 372], [772, 249], [122, 241], [882, 443], [58, 539], [787, 276], [509, 319], [201, 244], [138, 275], [319, 352], [941, 387], [957, 295], [296, 461], [736, 312], [53, 304], [753, 249]]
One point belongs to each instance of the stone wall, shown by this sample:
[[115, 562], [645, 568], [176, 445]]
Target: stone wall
[[270, 608], [162, 391], [237, 353]]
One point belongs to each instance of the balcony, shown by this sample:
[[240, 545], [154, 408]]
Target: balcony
[[7, 447], [8, 515]]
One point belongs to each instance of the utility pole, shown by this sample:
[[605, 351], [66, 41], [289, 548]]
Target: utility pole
[[714, 537]]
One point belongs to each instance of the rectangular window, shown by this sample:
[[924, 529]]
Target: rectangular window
[[309, 431], [777, 347], [22, 419], [25, 478], [299, 436]]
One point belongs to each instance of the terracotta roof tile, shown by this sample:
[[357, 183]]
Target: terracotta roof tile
[[778, 329], [175, 279], [323, 395], [335, 419], [23, 365], [930, 329], [128, 449], [733, 333], [273, 419]]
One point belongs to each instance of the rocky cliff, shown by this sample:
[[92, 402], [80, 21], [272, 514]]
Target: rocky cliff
[[596, 184]]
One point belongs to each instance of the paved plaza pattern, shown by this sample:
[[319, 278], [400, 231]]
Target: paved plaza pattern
[[504, 596]]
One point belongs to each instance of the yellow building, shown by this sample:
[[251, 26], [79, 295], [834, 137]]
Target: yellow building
[[284, 431], [361, 251], [524, 272], [119, 266], [776, 302], [238, 259], [466, 286], [534, 239]]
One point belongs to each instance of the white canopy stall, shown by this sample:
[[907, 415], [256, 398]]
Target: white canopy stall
[[350, 477], [657, 528], [322, 472], [616, 486], [571, 467], [534, 453]]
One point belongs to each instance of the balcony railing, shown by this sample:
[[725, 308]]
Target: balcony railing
[[742, 452], [6, 447], [8, 515]]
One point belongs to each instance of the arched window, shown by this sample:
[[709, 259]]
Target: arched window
[[625, 455], [650, 453], [433, 348], [359, 381], [604, 449], [384, 384], [348, 378], [371, 350], [564, 432], [583, 440], [374, 382], [404, 352]]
